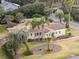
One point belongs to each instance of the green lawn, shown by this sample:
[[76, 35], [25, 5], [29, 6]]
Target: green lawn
[[2, 54], [69, 47], [74, 32], [2, 28]]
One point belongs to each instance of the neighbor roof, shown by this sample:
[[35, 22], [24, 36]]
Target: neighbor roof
[[8, 6]]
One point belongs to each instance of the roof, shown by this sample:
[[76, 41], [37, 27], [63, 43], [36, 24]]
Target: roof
[[56, 26], [47, 28], [39, 30], [9, 6]]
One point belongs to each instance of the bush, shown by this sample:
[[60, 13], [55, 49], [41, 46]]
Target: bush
[[37, 15]]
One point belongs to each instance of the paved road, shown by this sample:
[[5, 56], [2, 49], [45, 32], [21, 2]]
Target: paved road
[[74, 57], [72, 23]]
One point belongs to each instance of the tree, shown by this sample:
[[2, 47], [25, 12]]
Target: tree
[[48, 44], [7, 19], [37, 15], [60, 14], [22, 35], [14, 43], [66, 19], [19, 16], [30, 9], [12, 46], [1, 11], [68, 6]]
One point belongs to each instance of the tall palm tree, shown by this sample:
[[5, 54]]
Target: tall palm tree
[[66, 19], [48, 44], [12, 46], [14, 43], [60, 14], [68, 4], [22, 35]]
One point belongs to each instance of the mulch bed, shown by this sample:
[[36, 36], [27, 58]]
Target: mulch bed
[[41, 50]]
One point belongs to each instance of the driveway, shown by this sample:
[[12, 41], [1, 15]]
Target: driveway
[[72, 24]]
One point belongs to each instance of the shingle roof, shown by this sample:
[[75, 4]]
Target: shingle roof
[[8, 5], [38, 30], [56, 26], [47, 28]]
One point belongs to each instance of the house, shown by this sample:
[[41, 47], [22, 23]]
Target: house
[[8, 6], [48, 31]]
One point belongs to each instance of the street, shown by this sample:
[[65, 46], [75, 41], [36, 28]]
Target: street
[[72, 24]]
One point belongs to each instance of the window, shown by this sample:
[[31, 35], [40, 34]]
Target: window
[[47, 34], [59, 32], [55, 32], [52, 34], [31, 34], [40, 33], [37, 34]]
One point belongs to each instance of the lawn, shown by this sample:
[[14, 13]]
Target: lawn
[[70, 47], [75, 32], [2, 55], [2, 28]]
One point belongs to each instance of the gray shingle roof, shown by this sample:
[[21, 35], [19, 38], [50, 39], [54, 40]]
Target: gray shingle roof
[[8, 6]]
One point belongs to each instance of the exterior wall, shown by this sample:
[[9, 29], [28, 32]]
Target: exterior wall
[[33, 35], [59, 33], [50, 34]]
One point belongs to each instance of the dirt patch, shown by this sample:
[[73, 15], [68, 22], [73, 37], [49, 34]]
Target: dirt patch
[[40, 50]]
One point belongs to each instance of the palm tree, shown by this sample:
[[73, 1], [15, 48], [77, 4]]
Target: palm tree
[[68, 4], [19, 16], [14, 43], [60, 14], [66, 19], [48, 44], [22, 35], [34, 23], [12, 46]]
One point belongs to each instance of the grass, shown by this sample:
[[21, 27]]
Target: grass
[[2, 55], [74, 32], [2, 28], [70, 47]]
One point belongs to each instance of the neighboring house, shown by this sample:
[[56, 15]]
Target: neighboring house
[[48, 31], [8, 6]]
